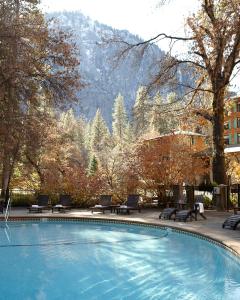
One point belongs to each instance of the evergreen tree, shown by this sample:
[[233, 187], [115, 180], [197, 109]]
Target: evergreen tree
[[73, 129], [156, 118], [171, 98], [172, 112], [141, 112], [100, 136], [164, 117], [69, 123], [80, 134], [88, 136], [129, 136], [119, 120], [93, 165]]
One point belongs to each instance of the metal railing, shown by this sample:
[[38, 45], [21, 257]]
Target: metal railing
[[8, 209]]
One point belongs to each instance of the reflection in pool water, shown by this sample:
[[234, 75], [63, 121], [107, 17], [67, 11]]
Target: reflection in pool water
[[77, 260]]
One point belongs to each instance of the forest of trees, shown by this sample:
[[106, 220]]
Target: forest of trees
[[86, 158], [46, 147], [212, 37]]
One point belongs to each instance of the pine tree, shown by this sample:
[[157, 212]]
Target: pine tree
[[129, 136], [172, 115], [100, 136], [164, 118], [119, 124], [141, 112], [171, 98], [88, 136], [155, 113], [80, 134], [73, 129], [69, 123], [93, 165]]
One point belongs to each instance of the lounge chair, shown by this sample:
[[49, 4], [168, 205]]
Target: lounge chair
[[132, 203], [232, 222], [183, 215], [42, 203], [105, 202], [65, 203], [167, 213]]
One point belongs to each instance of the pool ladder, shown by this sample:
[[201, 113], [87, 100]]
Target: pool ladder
[[8, 209], [6, 215]]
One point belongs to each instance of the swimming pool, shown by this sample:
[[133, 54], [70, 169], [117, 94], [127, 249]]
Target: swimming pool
[[91, 260]]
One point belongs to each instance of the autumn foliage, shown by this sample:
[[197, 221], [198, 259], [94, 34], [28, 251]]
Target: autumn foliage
[[168, 161]]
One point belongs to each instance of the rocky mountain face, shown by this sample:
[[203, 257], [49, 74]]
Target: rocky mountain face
[[103, 77]]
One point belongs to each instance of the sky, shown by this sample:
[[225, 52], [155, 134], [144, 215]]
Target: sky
[[145, 18]]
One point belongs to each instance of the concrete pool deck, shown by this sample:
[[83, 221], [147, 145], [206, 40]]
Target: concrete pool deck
[[212, 227]]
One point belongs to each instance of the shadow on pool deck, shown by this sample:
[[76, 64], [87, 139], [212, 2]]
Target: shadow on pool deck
[[211, 227]]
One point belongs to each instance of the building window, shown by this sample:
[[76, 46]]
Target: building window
[[238, 107], [238, 122], [226, 140]]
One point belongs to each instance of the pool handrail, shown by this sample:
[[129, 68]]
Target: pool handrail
[[7, 211]]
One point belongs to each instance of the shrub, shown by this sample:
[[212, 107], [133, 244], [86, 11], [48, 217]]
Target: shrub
[[22, 199], [234, 199], [207, 201]]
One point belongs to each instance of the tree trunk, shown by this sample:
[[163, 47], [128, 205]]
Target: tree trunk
[[37, 169], [190, 196], [9, 160], [6, 173], [218, 166]]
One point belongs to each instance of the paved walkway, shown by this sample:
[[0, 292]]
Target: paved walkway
[[211, 227]]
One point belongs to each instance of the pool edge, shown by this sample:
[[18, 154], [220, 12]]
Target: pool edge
[[196, 234]]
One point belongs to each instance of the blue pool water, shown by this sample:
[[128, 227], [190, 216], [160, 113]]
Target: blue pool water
[[67, 260]]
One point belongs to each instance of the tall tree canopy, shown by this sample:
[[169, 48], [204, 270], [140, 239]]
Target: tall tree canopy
[[213, 35], [216, 51], [119, 124], [37, 72], [141, 111]]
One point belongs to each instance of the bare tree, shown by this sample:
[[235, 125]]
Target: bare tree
[[213, 37]]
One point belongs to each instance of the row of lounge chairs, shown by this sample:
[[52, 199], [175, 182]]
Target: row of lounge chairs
[[174, 214], [132, 203], [183, 215], [105, 203], [43, 203]]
